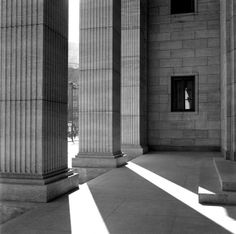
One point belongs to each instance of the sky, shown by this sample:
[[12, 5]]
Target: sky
[[74, 21], [74, 33]]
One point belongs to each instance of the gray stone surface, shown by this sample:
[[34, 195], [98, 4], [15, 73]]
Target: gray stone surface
[[33, 98], [99, 84], [87, 174], [33, 91], [98, 161], [210, 189], [133, 151], [184, 44], [8, 213], [226, 171], [228, 93], [29, 191], [134, 77], [11, 209], [122, 201]]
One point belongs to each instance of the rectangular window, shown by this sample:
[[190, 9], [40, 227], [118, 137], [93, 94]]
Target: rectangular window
[[182, 93], [182, 6]]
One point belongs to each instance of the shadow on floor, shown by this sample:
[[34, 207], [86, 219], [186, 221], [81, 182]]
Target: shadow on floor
[[138, 198]]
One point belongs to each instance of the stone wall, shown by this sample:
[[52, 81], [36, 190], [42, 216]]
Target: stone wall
[[184, 44]]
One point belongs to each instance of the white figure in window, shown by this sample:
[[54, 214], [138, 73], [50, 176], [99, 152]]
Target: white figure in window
[[188, 99]]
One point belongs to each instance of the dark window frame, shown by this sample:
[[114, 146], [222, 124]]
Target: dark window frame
[[176, 11], [174, 95]]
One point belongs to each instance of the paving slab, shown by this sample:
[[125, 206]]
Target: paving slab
[[210, 190], [226, 170], [124, 202]]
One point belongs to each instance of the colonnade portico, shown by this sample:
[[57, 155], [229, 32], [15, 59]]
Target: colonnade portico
[[113, 103], [34, 95], [112, 94]]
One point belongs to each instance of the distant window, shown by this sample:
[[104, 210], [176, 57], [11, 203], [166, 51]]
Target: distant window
[[182, 6], [182, 93]]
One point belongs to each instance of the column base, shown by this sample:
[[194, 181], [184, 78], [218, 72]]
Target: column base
[[98, 161], [226, 154], [210, 190], [229, 155], [33, 190], [89, 166], [226, 170], [133, 151], [86, 174]]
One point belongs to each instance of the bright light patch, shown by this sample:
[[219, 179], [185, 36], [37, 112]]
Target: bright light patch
[[73, 149], [74, 8], [215, 213], [84, 214], [203, 190]]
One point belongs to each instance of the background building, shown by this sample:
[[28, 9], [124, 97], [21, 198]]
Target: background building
[[73, 79], [73, 102]]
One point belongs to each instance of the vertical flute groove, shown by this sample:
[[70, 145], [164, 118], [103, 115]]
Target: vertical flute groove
[[96, 97], [131, 74], [33, 68]]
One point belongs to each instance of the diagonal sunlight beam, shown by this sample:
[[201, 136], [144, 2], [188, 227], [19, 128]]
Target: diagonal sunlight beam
[[203, 190], [215, 213], [84, 214]]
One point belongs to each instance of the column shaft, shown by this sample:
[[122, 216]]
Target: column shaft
[[33, 98], [228, 92], [99, 85], [233, 86], [134, 78]]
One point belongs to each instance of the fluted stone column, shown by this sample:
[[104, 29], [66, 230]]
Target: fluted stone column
[[99, 85], [33, 100], [228, 78], [232, 84], [134, 78]]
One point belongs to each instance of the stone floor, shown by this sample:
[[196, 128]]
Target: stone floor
[[155, 193]]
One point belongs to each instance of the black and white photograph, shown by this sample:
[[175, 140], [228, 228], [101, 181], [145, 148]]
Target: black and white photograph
[[117, 116]]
